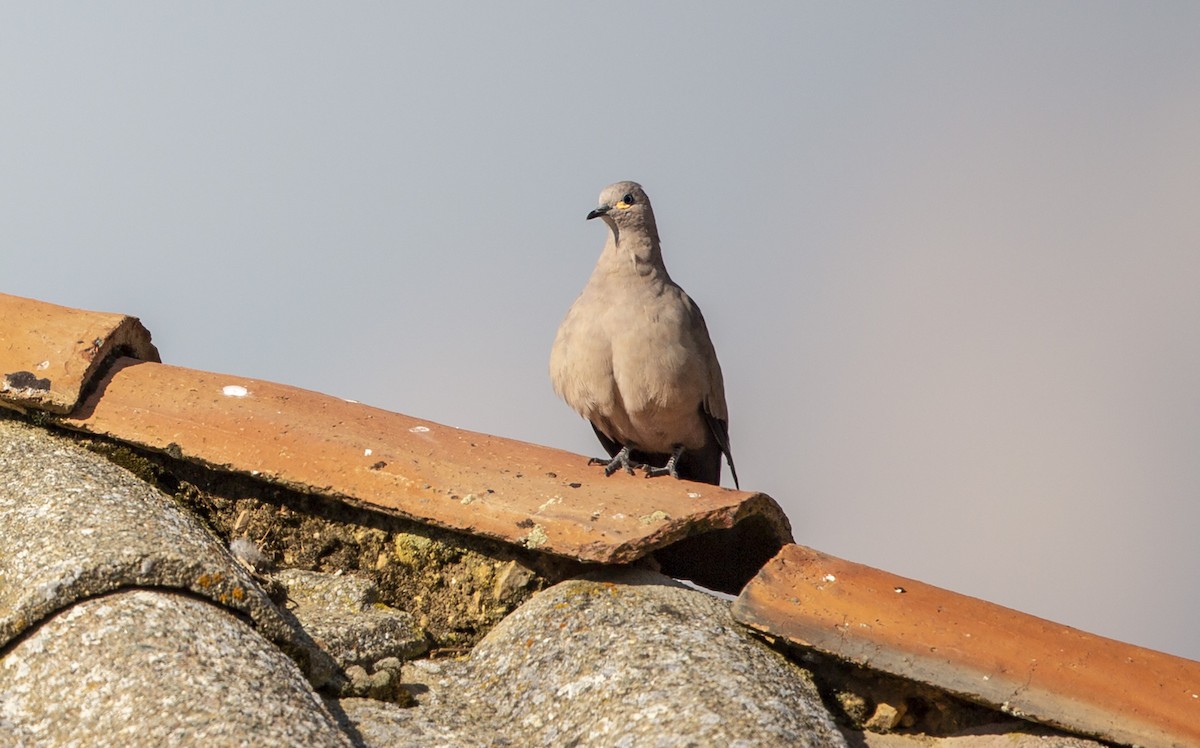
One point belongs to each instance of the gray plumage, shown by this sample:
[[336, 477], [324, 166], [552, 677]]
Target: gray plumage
[[634, 358]]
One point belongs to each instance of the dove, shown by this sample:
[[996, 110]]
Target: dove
[[633, 355]]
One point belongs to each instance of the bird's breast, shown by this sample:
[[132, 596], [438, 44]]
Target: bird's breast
[[625, 356]]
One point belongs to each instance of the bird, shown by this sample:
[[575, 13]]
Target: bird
[[633, 355]]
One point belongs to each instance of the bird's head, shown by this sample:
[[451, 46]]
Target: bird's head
[[626, 209]]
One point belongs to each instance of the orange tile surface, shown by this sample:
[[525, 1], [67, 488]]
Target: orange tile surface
[[48, 353], [1028, 666], [521, 493]]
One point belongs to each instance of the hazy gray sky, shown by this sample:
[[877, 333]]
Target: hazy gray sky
[[949, 253]]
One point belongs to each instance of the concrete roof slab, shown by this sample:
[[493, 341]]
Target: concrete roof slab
[[74, 526], [146, 668]]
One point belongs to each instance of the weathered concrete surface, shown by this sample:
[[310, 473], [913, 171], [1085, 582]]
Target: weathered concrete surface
[[50, 352], [149, 668], [628, 658], [343, 616], [1026, 666], [1008, 735], [543, 499], [379, 724], [73, 526]]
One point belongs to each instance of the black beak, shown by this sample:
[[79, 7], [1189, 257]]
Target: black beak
[[599, 211]]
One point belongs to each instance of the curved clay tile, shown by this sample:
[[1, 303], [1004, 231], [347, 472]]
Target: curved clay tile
[[49, 354]]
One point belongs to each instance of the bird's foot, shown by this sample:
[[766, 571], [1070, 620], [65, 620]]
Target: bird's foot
[[616, 463], [668, 469]]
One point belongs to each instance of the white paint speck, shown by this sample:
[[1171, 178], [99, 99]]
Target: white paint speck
[[234, 390], [419, 429], [829, 578], [693, 495], [43, 366], [367, 452]]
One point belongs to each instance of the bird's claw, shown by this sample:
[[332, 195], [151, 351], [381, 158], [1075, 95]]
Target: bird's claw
[[616, 463], [668, 469], [653, 472]]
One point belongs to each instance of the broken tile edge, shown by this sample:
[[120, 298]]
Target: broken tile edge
[[97, 338]]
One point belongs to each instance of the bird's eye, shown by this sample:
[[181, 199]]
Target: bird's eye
[[628, 199]]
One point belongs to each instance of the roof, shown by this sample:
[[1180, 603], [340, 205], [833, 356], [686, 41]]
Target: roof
[[446, 532], [498, 488]]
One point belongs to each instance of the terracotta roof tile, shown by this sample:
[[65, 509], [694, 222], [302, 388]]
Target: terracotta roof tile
[[1028, 666], [49, 353], [544, 499]]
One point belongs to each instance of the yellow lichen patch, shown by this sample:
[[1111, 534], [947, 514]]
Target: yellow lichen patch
[[204, 581], [658, 516], [535, 538], [409, 548]]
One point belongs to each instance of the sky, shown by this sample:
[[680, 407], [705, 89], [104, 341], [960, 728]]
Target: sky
[[948, 253]]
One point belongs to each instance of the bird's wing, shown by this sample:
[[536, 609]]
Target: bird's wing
[[713, 407]]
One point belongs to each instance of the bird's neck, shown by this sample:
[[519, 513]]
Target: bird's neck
[[633, 254]]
